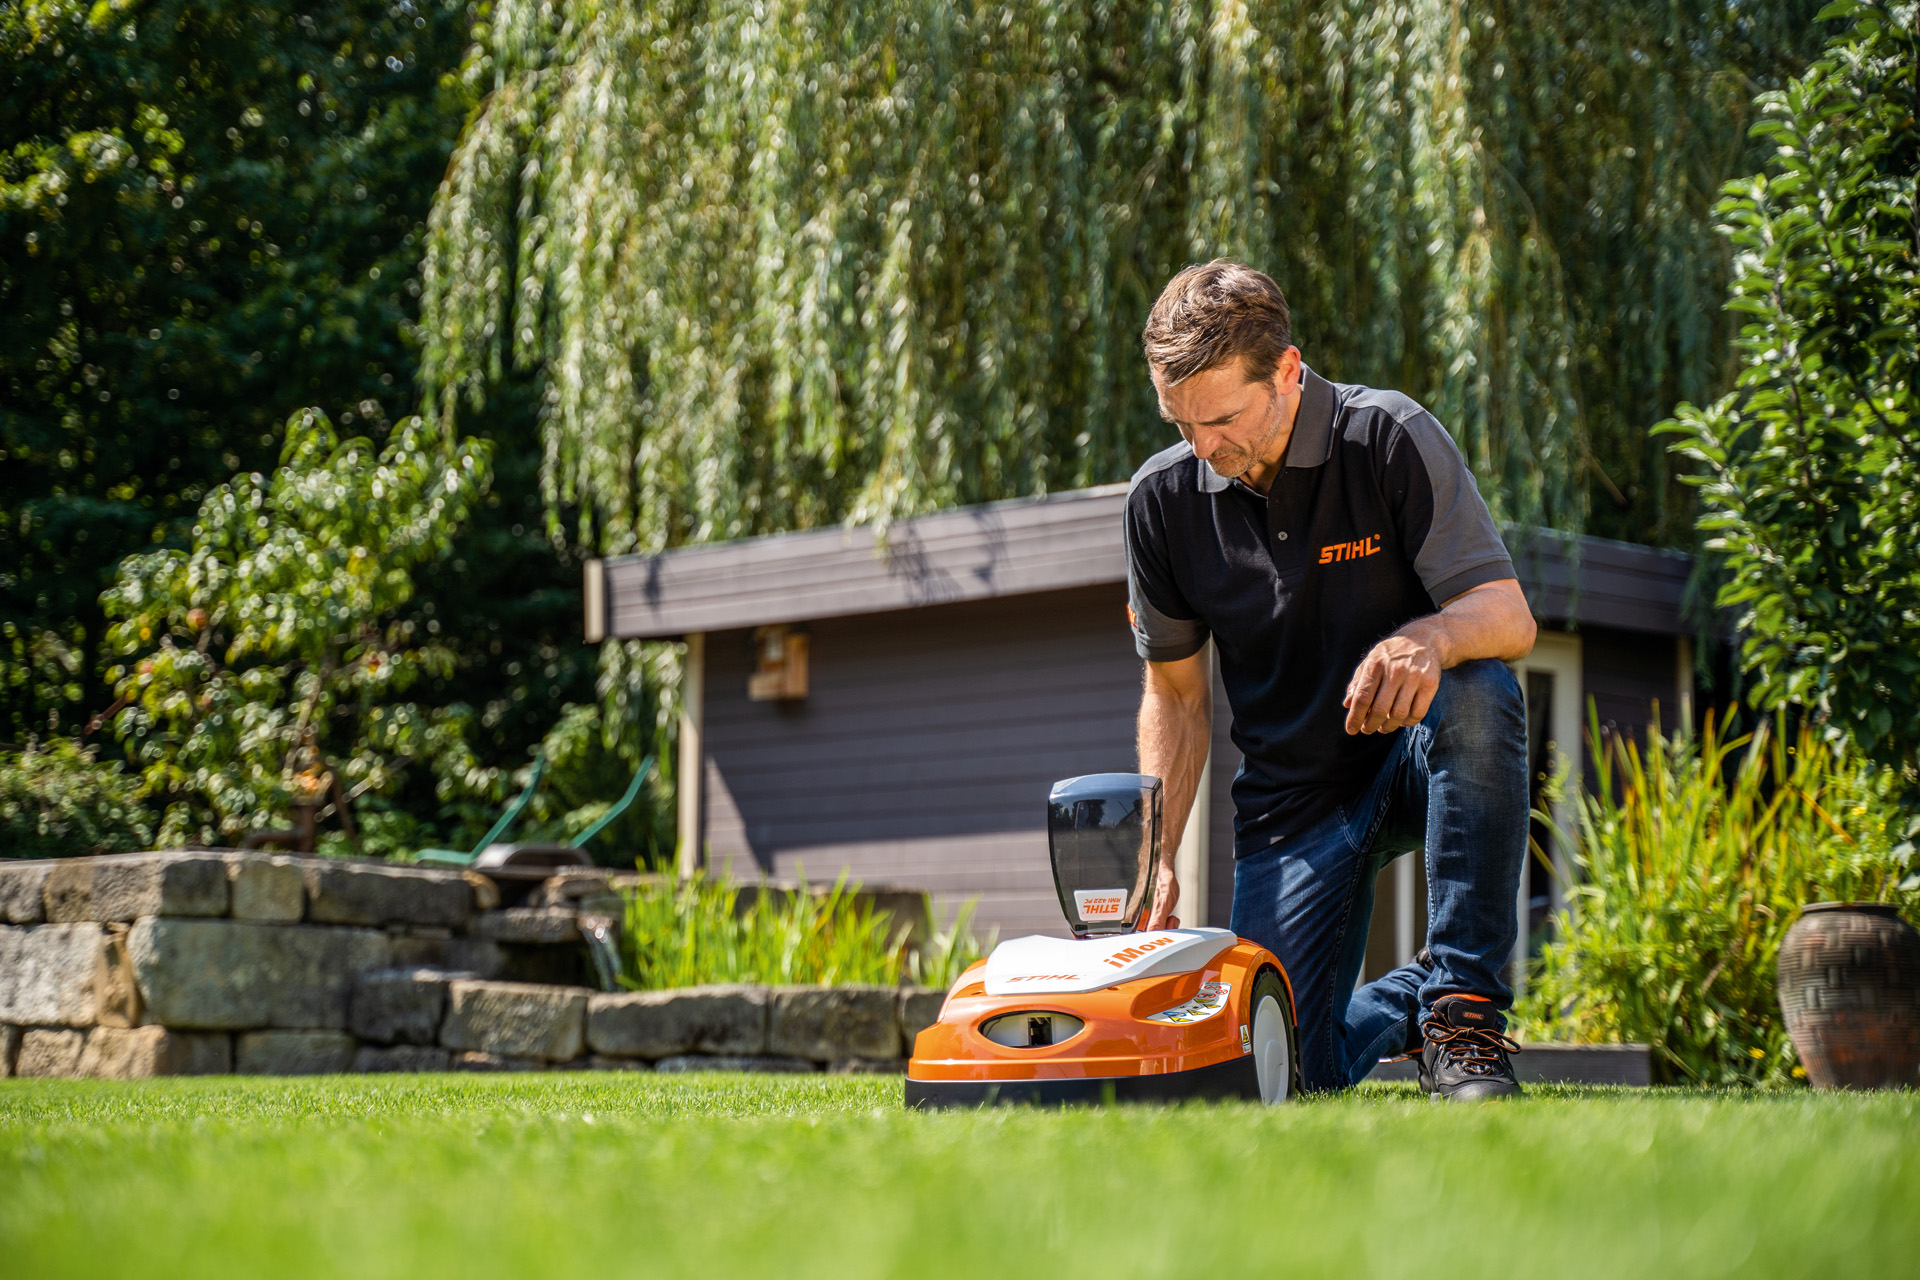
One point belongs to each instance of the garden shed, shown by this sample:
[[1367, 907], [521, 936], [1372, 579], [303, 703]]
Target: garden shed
[[897, 707]]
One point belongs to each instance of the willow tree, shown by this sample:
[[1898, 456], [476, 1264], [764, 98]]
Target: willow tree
[[780, 264]]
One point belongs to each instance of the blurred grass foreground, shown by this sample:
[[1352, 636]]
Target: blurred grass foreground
[[618, 1174]]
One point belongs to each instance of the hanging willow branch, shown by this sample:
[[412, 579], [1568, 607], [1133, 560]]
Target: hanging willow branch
[[783, 264]]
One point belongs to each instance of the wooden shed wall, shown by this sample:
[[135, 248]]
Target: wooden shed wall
[[923, 754]]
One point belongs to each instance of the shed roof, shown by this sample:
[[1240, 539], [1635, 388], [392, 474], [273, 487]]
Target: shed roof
[[1028, 545]]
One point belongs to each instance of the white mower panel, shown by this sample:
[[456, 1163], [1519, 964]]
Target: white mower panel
[[1060, 966]]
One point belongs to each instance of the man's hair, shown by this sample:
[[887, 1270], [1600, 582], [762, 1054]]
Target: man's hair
[[1216, 312]]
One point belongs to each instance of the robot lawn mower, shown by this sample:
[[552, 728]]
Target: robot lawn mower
[[1111, 1014]]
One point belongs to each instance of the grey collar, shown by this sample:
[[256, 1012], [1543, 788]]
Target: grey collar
[[1312, 432]]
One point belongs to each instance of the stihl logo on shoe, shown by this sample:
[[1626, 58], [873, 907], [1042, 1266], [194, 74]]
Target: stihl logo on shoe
[[1097, 905], [1350, 550]]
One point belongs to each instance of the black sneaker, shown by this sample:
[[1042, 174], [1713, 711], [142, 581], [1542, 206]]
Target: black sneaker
[[1465, 1056]]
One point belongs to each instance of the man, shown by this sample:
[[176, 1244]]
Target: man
[[1330, 541]]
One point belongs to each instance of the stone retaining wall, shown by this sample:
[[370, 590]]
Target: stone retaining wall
[[209, 962]]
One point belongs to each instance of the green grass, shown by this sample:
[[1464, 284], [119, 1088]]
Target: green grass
[[631, 1175]]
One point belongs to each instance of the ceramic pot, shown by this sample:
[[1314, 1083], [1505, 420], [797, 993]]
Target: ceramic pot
[[1850, 988]]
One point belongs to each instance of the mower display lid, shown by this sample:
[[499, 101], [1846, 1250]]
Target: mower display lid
[[1058, 966], [1103, 837]]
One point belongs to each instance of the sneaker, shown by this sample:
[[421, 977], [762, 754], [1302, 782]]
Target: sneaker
[[1465, 1055]]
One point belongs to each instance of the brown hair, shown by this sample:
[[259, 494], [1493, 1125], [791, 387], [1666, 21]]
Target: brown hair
[[1216, 312]]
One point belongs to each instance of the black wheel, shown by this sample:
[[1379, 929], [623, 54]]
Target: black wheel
[[1276, 1058]]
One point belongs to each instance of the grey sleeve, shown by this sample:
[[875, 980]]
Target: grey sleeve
[[1444, 523], [1164, 626]]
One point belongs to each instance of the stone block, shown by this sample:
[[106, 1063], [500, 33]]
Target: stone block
[[475, 1060], [126, 886], [341, 892], [735, 1062], [515, 1019], [400, 1006], [23, 887], [267, 890], [9, 1049], [919, 1009], [546, 926], [824, 1024], [292, 1053], [50, 1053], [67, 895], [233, 975], [432, 948], [662, 1024], [401, 1057], [116, 995], [136, 1053], [486, 893], [47, 974]]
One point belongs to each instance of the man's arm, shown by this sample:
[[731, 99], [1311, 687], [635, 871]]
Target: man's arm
[[1176, 723], [1395, 683]]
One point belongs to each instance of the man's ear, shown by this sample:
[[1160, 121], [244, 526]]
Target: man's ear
[[1287, 376]]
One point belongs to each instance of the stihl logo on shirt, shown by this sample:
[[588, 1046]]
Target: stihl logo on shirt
[[1350, 550], [1095, 905]]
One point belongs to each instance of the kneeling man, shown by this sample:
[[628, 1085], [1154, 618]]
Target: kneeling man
[[1330, 541]]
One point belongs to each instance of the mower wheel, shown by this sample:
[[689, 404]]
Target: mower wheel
[[1275, 1059]]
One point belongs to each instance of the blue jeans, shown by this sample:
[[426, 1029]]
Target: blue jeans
[[1455, 785]]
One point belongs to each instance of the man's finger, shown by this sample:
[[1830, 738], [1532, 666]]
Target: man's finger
[[1405, 691], [1366, 681], [1423, 700]]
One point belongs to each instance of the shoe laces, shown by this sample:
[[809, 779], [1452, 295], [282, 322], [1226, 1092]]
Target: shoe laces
[[1477, 1050]]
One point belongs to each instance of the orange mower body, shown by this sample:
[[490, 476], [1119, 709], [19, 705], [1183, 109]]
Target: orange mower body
[[1156, 1016]]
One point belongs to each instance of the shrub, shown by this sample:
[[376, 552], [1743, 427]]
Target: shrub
[[1810, 470], [683, 935], [58, 801], [1692, 859]]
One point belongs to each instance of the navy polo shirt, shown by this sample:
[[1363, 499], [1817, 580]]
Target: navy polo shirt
[[1373, 521]]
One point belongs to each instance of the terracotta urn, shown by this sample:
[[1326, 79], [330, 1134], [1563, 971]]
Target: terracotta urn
[[1850, 989]]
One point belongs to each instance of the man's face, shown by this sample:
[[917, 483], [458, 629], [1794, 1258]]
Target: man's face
[[1233, 425]]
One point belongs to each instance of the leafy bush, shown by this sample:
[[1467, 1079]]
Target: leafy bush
[[1691, 861], [682, 935], [270, 653], [57, 801], [1811, 468]]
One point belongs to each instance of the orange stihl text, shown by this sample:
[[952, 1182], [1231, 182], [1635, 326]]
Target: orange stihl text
[[1350, 550]]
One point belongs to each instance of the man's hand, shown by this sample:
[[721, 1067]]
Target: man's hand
[[1166, 896], [1393, 686]]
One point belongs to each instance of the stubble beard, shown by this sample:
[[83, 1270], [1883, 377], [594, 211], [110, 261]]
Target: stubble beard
[[1232, 465]]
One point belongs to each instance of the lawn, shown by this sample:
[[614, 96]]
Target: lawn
[[614, 1175]]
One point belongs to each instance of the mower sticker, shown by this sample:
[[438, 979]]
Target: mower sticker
[[1066, 965], [1211, 1000], [1099, 905], [1246, 1039]]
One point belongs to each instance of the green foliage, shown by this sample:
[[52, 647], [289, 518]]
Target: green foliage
[[210, 216], [271, 647], [1691, 860], [1810, 468], [57, 801], [786, 266], [694, 932]]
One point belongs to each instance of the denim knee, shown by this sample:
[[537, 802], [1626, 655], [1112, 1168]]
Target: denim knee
[[1480, 696]]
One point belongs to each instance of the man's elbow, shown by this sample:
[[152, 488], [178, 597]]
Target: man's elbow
[[1525, 632]]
